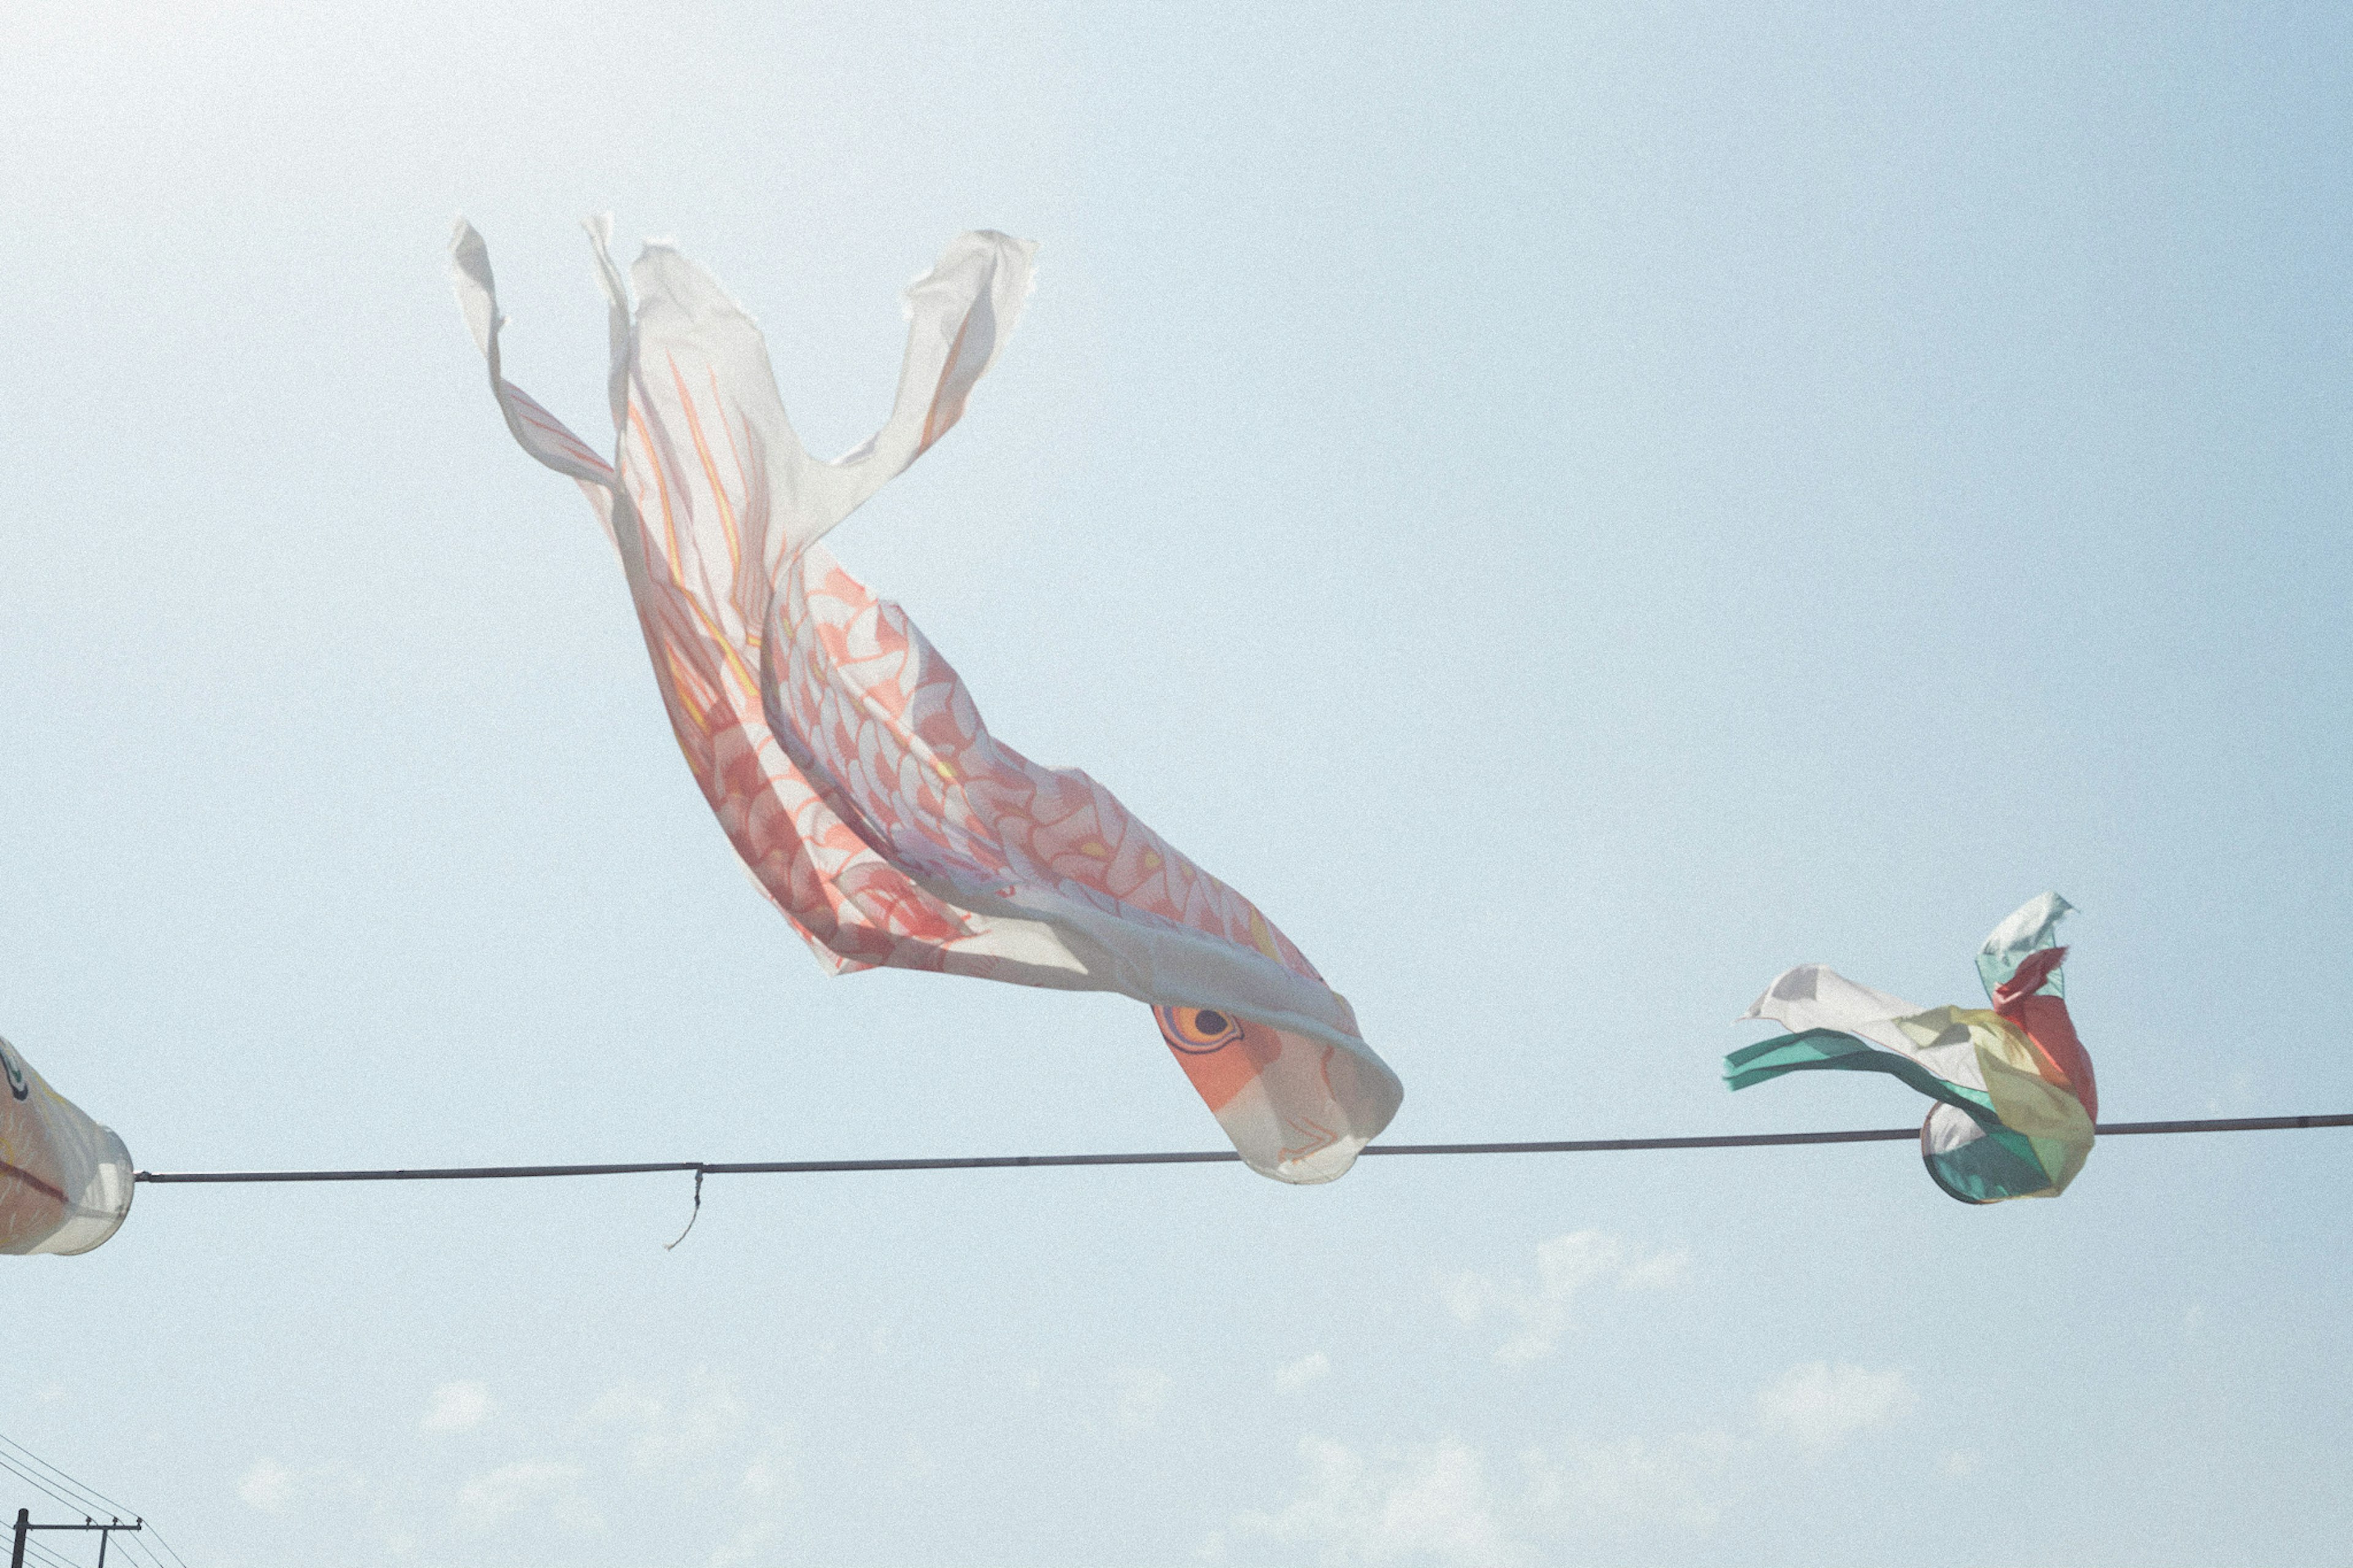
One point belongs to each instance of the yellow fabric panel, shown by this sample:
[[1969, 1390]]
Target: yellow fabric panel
[[2063, 1159]]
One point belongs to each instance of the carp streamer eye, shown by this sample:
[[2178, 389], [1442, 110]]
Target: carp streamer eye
[[1197, 1031]]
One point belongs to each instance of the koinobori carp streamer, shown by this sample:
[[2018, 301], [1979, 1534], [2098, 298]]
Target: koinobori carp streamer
[[843, 757]]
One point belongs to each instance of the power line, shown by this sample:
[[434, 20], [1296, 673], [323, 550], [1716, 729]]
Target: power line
[[22, 1543], [141, 1556], [94, 1502], [92, 1498], [91, 1502], [1194, 1157], [150, 1541], [153, 1534], [89, 1499], [70, 1504]]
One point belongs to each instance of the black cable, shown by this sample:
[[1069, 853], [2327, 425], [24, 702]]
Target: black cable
[[141, 1552], [55, 1554], [93, 1501], [1195, 1157], [449, 1174], [149, 1533], [110, 1509], [34, 1545], [55, 1496], [149, 1541], [90, 1496], [70, 1505]]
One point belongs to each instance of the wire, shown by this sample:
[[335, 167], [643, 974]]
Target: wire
[[142, 1544], [122, 1545], [70, 1504], [130, 1541], [1194, 1157], [93, 1500], [151, 1534], [95, 1504], [36, 1552]]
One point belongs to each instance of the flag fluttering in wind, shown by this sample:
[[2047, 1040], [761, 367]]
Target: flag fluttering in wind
[[843, 757], [65, 1181], [2016, 1101]]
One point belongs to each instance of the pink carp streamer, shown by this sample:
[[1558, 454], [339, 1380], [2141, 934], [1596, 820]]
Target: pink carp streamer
[[843, 757], [65, 1181]]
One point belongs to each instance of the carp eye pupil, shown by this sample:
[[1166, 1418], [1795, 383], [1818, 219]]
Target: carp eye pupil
[[1210, 1022]]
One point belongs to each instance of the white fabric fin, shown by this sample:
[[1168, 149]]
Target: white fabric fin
[[536, 430], [66, 1181]]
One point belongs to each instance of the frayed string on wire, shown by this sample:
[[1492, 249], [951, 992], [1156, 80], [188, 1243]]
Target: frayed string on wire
[[672, 1246]]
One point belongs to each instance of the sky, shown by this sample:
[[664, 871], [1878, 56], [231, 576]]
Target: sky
[[1573, 509]]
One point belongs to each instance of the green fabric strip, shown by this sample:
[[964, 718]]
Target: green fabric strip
[[2033, 927], [1835, 1048], [2001, 1164]]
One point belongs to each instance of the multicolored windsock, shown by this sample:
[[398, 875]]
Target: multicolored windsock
[[65, 1181], [845, 760], [2016, 1099]]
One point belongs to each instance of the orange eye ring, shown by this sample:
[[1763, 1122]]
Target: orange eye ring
[[1197, 1031]]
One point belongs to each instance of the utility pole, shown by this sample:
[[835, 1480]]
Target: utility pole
[[25, 1526]]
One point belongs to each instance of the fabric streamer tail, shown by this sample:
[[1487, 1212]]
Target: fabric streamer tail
[[2016, 1104]]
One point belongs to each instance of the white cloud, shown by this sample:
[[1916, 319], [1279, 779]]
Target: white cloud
[[1298, 1374], [1657, 1272], [1683, 1479], [693, 1437], [770, 1486], [267, 1486], [457, 1407], [671, 1428], [544, 1487], [1822, 1406], [1436, 1503], [747, 1546], [1566, 1267], [1432, 1502], [1140, 1392], [1960, 1464], [773, 1475]]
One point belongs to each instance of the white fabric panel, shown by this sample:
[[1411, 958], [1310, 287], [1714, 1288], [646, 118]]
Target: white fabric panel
[[1816, 997], [65, 1181]]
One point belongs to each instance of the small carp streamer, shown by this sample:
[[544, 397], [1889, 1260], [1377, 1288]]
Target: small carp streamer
[[843, 757], [2016, 1099], [65, 1181]]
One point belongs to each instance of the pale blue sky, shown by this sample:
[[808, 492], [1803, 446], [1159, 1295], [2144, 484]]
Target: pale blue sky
[[1572, 513]]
